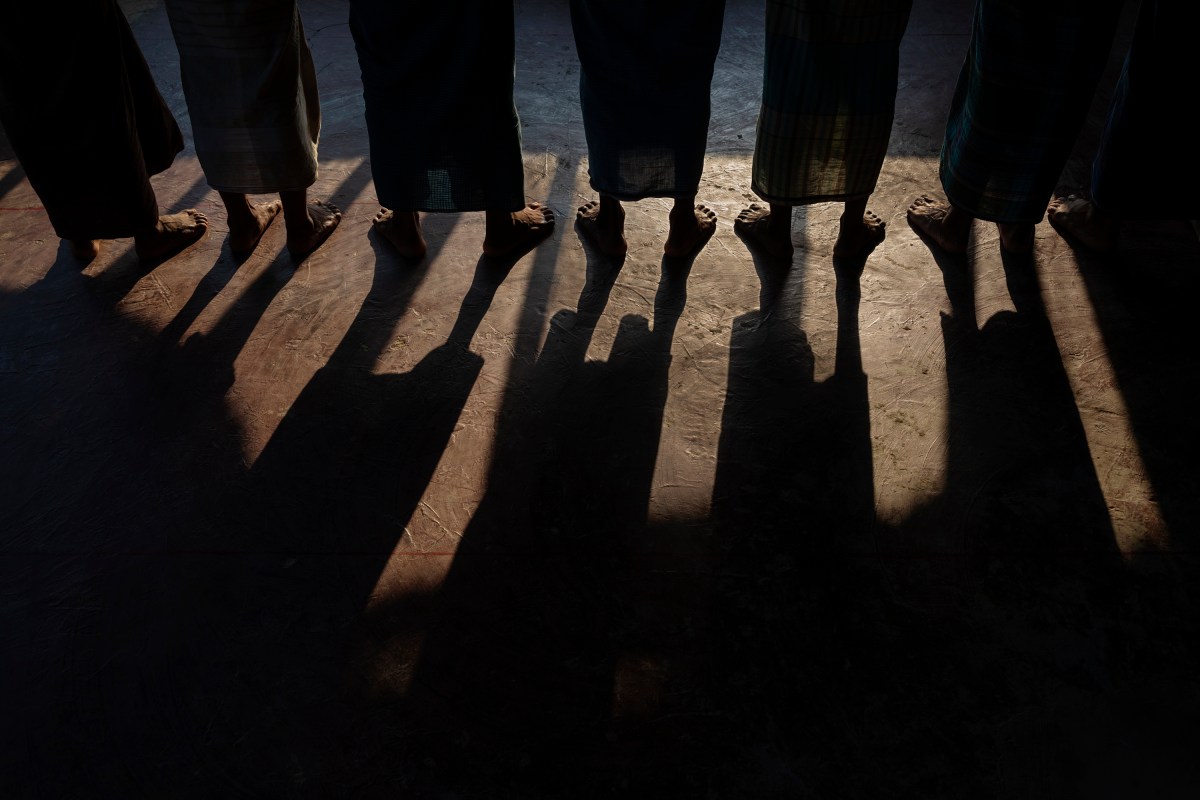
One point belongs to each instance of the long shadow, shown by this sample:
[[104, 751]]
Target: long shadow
[[1020, 475], [191, 381], [1143, 298], [1004, 593], [267, 612], [208, 601], [194, 379], [793, 493], [92, 492], [773, 271], [512, 694], [961, 652], [122, 524], [227, 264], [958, 276], [56, 338]]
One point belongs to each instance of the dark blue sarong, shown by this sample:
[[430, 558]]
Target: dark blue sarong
[[1148, 164], [644, 88], [84, 116], [1022, 97], [438, 87]]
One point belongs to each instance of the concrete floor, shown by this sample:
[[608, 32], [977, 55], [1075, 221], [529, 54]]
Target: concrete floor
[[362, 528]]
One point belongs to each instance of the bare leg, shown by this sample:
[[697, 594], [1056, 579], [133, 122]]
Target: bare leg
[[508, 233], [308, 224], [947, 226], [860, 230], [1016, 237], [403, 230], [603, 223], [691, 226], [170, 234], [247, 222], [770, 230], [85, 250], [1082, 220]]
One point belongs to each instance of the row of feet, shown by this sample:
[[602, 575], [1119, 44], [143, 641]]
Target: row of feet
[[950, 228], [172, 233], [603, 224]]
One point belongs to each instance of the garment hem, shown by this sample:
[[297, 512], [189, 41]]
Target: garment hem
[[808, 200]]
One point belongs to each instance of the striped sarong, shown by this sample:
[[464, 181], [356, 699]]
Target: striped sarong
[[644, 89], [1022, 97], [1148, 164], [251, 92], [438, 87], [84, 116], [829, 97]]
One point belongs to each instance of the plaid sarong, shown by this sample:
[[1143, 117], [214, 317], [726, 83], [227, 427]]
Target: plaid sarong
[[251, 92], [829, 96]]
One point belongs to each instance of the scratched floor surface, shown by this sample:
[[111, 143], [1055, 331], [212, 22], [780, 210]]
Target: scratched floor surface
[[570, 528]]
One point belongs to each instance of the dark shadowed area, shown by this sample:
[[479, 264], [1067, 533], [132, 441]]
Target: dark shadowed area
[[570, 527]]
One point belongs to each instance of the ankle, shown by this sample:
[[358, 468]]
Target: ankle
[[611, 209], [150, 232], [238, 208]]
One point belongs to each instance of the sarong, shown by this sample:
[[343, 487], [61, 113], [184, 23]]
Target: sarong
[[829, 97], [1148, 164], [1022, 97], [438, 88], [251, 91], [84, 116], [644, 89]]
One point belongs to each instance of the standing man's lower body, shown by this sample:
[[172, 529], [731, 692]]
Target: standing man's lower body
[[252, 94], [829, 98], [1147, 166], [1022, 97], [645, 83], [443, 128], [89, 126]]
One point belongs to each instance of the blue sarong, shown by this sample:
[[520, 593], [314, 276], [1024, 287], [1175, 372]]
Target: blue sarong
[[1022, 97], [644, 84], [438, 87], [1148, 163]]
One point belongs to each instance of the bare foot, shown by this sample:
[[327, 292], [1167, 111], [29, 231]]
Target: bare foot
[[1016, 237], [246, 230], [1078, 218], [403, 230], [605, 229], [948, 227], [857, 238], [691, 228], [768, 232], [507, 234], [85, 250], [306, 235], [172, 233]]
